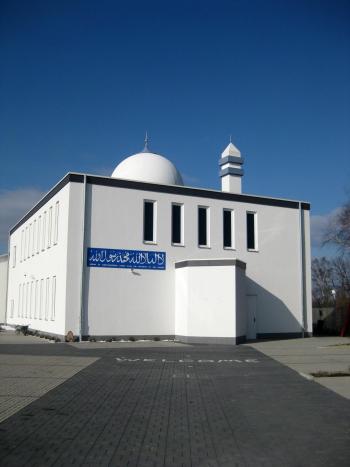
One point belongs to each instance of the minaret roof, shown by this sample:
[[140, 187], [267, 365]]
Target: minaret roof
[[231, 150]]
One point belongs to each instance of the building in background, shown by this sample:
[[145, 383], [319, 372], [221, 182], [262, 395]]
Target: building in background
[[140, 254], [3, 287]]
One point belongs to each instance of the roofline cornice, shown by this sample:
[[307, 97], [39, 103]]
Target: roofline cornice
[[170, 189]]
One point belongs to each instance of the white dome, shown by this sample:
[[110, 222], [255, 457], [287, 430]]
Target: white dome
[[148, 167]]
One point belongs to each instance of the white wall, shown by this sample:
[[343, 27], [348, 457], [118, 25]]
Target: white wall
[[122, 301], [3, 286], [34, 265], [205, 303], [118, 301], [308, 281], [241, 303], [74, 258]]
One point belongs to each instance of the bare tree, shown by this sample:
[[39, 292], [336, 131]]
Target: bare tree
[[322, 282], [341, 273], [338, 232]]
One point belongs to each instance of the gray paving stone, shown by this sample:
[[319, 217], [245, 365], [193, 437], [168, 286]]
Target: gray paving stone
[[171, 406]]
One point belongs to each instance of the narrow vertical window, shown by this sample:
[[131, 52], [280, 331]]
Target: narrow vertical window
[[228, 228], [47, 298], [177, 224], [49, 228], [30, 239], [12, 307], [41, 299], [34, 237], [23, 299], [22, 244], [19, 300], [43, 232], [57, 213], [252, 243], [31, 300], [27, 300], [36, 299], [149, 221], [25, 244], [14, 253], [27, 241], [38, 235], [53, 298], [203, 230]]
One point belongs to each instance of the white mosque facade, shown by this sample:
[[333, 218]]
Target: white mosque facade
[[140, 255]]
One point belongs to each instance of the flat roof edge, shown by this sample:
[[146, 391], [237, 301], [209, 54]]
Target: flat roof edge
[[194, 191], [69, 177], [190, 263], [170, 189]]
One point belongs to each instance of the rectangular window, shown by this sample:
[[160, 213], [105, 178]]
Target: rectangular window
[[25, 244], [34, 237], [43, 232], [19, 300], [23, 299], [36, 300], [228, 228], [203, 223], [47, 298], [41, 299], [252, 243], [14, 252], [12, 308], [149, 221], [49, 228], [177, 224], [57, 213], [22, 244], [53, 298], [30, 240], [31, 300], [38, 236], [27, 300]]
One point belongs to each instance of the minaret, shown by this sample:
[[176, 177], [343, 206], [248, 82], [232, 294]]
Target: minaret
[[231, 171]]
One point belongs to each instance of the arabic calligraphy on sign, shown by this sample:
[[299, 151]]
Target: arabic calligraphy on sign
[[132, 259]]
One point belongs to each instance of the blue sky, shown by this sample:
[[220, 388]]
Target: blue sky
[[81, 81]]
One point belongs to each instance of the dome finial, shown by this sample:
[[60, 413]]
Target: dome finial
[[146, 148]]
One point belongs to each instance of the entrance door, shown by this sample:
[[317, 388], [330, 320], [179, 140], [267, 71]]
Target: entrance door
[[251, 316]]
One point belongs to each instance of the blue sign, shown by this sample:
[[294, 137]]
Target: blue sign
[[132, 259]]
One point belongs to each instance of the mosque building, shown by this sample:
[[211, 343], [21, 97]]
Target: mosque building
[[139, 254]]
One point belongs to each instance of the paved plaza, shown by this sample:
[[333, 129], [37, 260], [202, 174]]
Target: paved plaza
[[163, 404]]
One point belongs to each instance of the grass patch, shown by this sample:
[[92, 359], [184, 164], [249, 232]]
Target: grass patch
[[330, 374]]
